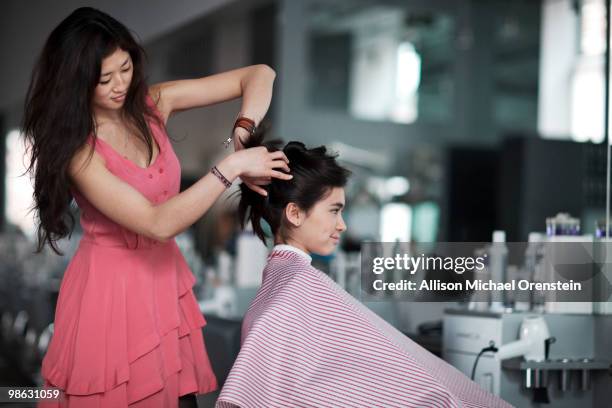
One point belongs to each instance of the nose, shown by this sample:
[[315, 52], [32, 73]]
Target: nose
[[341, 225], [119, 84]]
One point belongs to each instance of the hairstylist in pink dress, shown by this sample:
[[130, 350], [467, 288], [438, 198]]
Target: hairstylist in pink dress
[[127, 325]]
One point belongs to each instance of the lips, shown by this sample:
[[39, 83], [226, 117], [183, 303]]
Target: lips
[[119, 98]]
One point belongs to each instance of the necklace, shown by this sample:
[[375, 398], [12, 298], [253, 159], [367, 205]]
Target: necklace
[[127, 137]]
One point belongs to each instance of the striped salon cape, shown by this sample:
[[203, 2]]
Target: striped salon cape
[[308, 343]]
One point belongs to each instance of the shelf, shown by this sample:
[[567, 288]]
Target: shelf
[[592, 364]]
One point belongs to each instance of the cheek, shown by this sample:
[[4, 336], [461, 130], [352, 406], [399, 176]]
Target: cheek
[[100, 93], [128, 77], [327, 225], [333, 222]]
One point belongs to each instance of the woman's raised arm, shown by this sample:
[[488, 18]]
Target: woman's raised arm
[[253, 83]]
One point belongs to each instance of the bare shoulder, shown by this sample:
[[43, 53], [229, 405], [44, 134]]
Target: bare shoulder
[[85, 159]]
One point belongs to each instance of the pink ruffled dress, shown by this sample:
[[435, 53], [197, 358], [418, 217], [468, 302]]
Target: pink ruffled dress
[[128, 329]]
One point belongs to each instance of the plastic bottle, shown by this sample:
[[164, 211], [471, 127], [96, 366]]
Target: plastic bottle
[[225, 294], [533, 268], [481, 300], [498, 260]]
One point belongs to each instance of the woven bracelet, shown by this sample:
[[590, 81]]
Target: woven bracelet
[[221, 177]]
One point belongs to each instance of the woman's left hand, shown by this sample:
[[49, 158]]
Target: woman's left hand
[[253, 183], [240, 135]]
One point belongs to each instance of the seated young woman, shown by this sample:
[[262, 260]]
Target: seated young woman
[[307, 342]]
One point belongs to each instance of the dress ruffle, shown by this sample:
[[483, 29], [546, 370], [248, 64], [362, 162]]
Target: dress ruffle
[[129, 335]]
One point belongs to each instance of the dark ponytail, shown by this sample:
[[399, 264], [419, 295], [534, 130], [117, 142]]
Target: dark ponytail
[[315, 173]]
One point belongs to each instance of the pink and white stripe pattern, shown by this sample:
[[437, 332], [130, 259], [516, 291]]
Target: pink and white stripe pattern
[[308, 343]]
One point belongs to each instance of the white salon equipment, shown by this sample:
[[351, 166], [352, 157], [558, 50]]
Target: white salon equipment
[[223, 304], [467, 332], [251, 259], [224, 301], [533, 343]]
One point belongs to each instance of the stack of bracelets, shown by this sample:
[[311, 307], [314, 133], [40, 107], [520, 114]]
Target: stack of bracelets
[[241, 122]]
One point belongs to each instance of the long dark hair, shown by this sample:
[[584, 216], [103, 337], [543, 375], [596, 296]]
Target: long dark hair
[[58, 116], [315, 172]]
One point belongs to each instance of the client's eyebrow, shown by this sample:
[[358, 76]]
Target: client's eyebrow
[[338, 205]]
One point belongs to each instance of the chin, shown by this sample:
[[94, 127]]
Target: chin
[[108, 107], [326, 250]]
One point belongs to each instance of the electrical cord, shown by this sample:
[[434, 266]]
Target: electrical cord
[[491, 348]]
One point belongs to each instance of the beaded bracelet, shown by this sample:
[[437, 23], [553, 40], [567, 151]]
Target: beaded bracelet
[[221, 177]]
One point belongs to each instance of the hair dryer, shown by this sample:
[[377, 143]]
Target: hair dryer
[[533, 343]]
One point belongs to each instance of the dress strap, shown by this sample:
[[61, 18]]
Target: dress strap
[[95, 143], [151, 103]]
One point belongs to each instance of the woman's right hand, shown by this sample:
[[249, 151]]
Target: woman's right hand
[[258, 163]]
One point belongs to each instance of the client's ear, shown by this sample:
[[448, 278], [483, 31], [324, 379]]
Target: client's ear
[[294, 214]]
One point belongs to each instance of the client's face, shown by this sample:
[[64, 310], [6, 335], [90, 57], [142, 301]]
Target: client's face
[[320, 232]]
